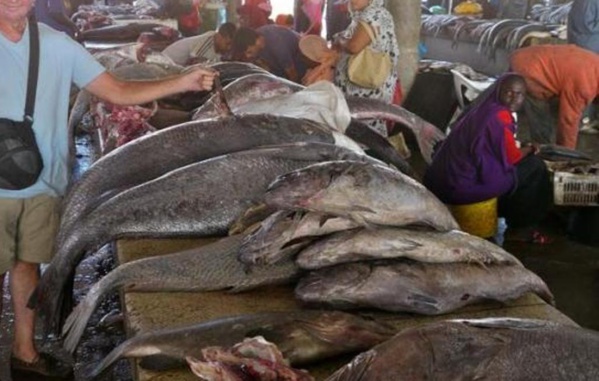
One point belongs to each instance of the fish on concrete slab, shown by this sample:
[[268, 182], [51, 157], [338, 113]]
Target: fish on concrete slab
[[303, 337], [387, 243], [205, 268], [485, 349], [181, 145], [367, 193], [424, 288], [200, 199]]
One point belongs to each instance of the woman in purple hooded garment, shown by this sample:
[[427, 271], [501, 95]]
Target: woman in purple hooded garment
[[480, 160]]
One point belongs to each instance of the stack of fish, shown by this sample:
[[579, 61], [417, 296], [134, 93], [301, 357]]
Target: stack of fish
[[373, 259]]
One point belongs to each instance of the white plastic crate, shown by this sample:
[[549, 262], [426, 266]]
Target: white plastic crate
[[575, 189]]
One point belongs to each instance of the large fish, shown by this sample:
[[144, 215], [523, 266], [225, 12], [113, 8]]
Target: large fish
[[427, 135], [255, 88], [127, 32], [240, 94], [206, 268], [379, 147], [424, 288], [365, 193], [246, 89], [303, 337], [181, 145], [230, 70], [386, 243], [485, 349], [267, 244], [200, 199]]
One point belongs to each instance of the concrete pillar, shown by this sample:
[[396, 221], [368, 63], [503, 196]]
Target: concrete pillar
[[232, 10], [406, 14]]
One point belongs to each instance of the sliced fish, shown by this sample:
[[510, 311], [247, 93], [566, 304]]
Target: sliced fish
[[303, 337]]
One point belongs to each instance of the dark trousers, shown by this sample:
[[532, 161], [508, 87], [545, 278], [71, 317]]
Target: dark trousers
[[541, 120], [528, 204]]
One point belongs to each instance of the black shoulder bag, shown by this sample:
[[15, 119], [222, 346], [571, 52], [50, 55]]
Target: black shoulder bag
[[20, 159]]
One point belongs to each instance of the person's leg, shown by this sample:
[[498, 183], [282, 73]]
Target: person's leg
[[9, 210], [37, 227], [529, 203], [23, 280]]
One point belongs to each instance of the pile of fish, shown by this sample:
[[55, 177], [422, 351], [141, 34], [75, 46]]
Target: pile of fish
[[551, 14], [490, 35], [372, 237], [487, 349], [302, 205]]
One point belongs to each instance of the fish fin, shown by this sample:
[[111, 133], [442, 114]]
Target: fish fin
[[424, 304], [356, 369], [222, 105]]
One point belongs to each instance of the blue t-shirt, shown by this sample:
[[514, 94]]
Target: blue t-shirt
[[281, 50], [62, 63]]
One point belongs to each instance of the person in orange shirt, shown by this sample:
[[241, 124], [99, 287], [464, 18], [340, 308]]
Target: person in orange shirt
[[563, 74]]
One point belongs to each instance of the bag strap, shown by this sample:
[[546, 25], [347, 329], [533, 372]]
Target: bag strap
[[369, 30], [34, 50]]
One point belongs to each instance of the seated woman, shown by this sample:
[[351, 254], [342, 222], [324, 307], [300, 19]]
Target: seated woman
[[480, 160]]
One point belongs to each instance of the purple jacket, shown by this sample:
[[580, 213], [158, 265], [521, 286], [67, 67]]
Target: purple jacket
[[471, 165]]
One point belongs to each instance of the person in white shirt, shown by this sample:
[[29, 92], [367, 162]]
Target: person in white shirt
[[207, 47]]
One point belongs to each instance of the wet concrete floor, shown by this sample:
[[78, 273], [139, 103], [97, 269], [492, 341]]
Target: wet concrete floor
[[570, 268]]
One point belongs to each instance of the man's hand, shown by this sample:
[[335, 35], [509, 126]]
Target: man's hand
[[530, 149], [199, 79]]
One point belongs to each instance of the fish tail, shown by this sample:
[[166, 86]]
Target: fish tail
[[107, 361], [76, 322], [49, 302]]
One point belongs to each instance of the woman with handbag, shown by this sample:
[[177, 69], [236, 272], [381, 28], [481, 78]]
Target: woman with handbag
[[368, 55]]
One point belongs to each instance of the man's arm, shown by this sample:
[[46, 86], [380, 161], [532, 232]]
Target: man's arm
[[109, 88], [571, 108]]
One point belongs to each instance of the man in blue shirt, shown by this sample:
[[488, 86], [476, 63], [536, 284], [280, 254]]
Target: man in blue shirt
[[273, 47], [29, 217]]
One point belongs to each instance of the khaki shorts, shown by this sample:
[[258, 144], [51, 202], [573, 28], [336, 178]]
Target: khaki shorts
[[28, 228]]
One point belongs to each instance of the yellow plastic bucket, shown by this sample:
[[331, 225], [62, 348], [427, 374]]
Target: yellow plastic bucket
[[479, 219]]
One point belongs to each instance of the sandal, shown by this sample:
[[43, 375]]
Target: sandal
[[540, 238], [44, 364]]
